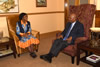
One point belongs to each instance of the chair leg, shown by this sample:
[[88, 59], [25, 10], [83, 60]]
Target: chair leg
[[20, 51], [14, 54], [90, 53], [86, 53], [73, 57]]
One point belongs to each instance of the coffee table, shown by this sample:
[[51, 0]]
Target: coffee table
[[9, 44], [88, 49]]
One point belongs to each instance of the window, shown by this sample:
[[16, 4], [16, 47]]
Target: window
[[83, 1], [71, 2]]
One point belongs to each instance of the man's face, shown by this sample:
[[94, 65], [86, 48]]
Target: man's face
[[72, 18]]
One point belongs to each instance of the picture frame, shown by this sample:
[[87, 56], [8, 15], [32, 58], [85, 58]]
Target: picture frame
[[41, 3], [9, 6]]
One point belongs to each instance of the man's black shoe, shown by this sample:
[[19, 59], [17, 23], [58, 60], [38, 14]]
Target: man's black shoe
[[46, 58], [42, 56]]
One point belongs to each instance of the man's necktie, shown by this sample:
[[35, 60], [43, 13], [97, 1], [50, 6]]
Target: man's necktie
[[67, 34]]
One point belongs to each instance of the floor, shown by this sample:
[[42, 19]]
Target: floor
[[26, 61]]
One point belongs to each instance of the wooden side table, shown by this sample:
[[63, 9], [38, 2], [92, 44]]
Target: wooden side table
[[89, 49], [95, 35], [8, 42]]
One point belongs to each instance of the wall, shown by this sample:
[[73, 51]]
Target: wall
[[96, 19], [29, 6], [60, 16], [47, 22], [3, 26], [43, 22], [98, 4]]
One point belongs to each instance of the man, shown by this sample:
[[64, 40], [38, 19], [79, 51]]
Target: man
[[73, 30]]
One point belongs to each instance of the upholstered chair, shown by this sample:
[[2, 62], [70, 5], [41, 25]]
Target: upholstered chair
[[85, 14], [12, 20]]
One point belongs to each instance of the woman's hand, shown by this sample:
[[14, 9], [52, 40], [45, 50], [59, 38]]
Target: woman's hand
[[24, 34]]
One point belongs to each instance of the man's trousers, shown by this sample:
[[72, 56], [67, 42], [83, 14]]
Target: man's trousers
[[57, 46]]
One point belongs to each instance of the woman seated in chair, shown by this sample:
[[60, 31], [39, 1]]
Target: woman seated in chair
[[23, 31]]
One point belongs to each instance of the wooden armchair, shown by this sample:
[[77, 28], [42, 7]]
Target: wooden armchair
[[11, 21], [85, 14]]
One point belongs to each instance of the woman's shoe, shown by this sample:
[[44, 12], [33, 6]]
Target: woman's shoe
[[33, 55]]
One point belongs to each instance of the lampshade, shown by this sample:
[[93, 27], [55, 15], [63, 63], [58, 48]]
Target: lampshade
[[95, 29]]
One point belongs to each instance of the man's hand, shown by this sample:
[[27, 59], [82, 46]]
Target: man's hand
[[69, 39], [59, 37]]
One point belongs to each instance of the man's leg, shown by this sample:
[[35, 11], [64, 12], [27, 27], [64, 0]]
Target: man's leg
[[57, 46], [48, 57], [56, 49]]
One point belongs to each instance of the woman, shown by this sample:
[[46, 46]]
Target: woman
[[23, 31]]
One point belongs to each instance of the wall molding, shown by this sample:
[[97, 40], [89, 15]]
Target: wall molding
[[45, 12], [37, 13]]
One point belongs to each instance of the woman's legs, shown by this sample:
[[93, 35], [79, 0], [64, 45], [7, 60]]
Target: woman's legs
[[31, 50]]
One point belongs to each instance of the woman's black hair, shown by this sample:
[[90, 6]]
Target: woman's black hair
[[22, 15]]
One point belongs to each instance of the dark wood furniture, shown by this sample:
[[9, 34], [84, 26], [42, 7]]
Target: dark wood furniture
[[9, 44], [88, 49], [95, 35], [97, 18]]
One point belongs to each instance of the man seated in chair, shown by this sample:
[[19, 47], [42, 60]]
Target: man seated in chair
[[73, 30]]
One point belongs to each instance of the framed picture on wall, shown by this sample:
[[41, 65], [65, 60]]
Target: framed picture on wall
[[9, 6], [41, 3]]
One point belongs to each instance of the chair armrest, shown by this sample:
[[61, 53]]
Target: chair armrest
[[16, 39], [80, 39], [13, 34], [36, 34]]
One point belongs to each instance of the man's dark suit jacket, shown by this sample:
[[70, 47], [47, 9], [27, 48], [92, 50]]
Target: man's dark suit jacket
[[77, 31]]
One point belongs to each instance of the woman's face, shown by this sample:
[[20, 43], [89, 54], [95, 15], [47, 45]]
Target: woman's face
[[25, 18]]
